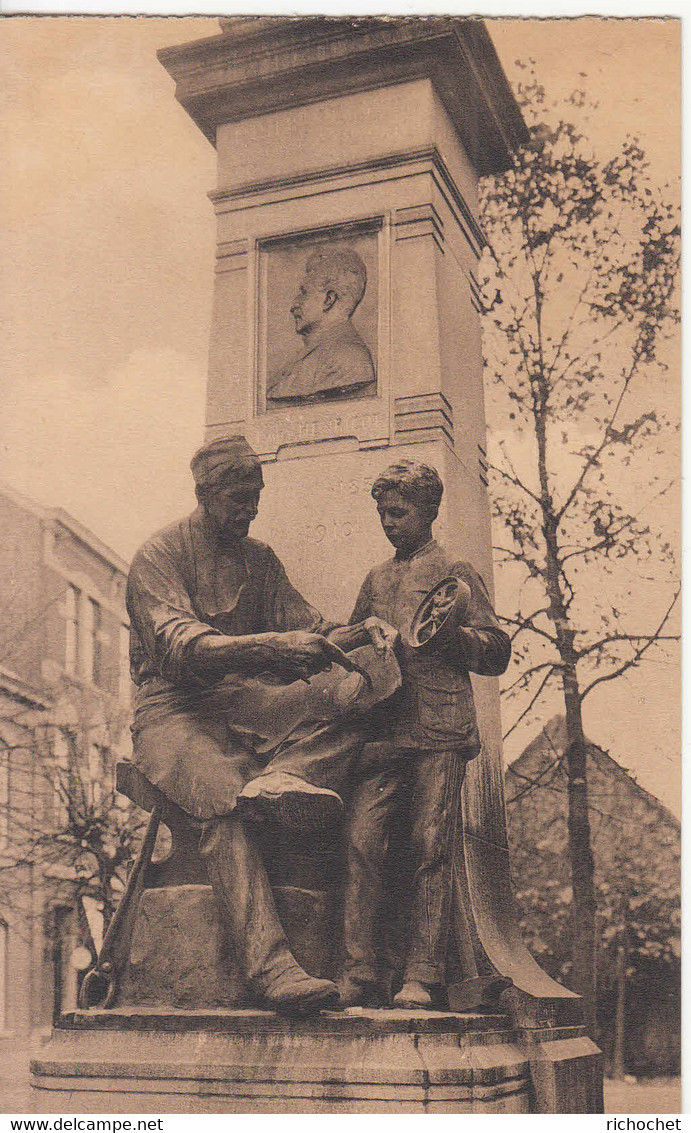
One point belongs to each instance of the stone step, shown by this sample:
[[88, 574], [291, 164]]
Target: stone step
[[353, 1021]]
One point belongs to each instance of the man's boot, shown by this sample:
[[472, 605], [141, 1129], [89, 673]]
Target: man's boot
[[293, 992], [242, 889]]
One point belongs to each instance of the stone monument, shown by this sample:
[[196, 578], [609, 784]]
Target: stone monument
[[348, 158]]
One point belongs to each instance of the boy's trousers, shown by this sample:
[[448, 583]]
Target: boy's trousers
[[426, 786]]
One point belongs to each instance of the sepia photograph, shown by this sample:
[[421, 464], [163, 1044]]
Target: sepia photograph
[[340, 587]]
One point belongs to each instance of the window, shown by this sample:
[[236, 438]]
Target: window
[[64, 973], [124, 678], [84, 637], [96, 775], [61, 779], [96, 649], [91, 652], [72, 630]]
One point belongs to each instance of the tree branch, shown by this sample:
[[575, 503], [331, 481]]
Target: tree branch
[[638, 653], [607, 439], [526, 623], [533, 700]]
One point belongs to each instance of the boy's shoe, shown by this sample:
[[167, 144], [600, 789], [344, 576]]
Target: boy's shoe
[[480, 993], [416, 996], [494, 988]]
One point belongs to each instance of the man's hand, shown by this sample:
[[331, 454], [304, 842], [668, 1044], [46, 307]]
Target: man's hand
[[383, 636], [289, 656], [296, 655], [293, 656]]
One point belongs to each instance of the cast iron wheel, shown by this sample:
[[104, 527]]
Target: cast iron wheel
[[434, 611]]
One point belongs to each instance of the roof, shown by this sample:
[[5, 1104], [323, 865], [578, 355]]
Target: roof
[[553, 736], [49, 515], [87, 537]]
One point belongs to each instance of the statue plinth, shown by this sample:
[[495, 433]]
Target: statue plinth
[[238, 1061], [358, 1061]]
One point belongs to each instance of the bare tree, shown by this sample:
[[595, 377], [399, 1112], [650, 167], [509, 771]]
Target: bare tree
[[579, 297], [67, 831]]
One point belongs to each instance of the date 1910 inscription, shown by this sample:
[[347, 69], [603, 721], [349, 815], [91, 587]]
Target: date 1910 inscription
[[333, 531]]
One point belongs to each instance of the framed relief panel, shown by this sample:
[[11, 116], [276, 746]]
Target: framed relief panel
[[318, 317]]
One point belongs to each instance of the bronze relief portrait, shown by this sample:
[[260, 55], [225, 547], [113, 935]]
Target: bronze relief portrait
[[320, 320]]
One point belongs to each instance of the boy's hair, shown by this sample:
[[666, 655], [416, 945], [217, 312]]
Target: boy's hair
[[417, 482]]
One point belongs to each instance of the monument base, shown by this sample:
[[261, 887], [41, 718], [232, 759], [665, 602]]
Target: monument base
[[248, 1061]]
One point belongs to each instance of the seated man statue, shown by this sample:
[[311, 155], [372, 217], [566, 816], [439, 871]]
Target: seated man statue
[[223, 726], [425, 737]]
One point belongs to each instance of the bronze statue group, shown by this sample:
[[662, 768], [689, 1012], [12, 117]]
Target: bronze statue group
[[242, 718]]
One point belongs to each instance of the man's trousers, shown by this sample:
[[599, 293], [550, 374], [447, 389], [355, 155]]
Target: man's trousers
[[316, 754], [201, 747]]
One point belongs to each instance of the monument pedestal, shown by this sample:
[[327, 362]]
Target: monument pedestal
[[239, 1061], [178, 1043]]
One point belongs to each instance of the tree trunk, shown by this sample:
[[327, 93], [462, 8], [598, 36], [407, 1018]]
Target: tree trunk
[[618, 1054], [584, 908], [105, 877]]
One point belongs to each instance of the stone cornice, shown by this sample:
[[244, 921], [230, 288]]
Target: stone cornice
[[384, 164], [20, 690], [93, 544], [265, 65]]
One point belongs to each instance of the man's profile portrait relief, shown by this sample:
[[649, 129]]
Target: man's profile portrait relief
[[333, 360]]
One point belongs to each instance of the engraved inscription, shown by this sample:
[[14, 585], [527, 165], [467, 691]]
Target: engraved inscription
[[343, 425]]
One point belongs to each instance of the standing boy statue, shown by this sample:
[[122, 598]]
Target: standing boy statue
[[425, 738]]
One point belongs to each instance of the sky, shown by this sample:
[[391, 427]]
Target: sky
[[106, 275]]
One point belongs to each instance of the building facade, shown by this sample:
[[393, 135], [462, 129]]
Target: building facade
[[64, 709]]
